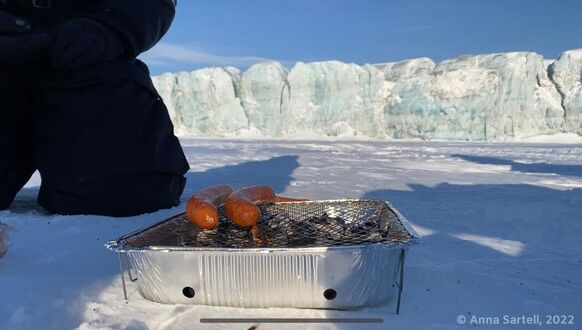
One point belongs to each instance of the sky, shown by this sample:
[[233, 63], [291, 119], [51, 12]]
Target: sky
[[240, 33]]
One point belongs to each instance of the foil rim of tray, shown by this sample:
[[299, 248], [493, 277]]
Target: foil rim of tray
[[355, 217]]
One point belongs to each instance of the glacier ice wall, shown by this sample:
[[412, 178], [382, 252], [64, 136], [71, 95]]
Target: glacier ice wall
[[203, 102], [566, 72], [483, 97]]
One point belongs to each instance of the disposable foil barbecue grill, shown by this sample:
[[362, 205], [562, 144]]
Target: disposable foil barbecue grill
[[336, 254]]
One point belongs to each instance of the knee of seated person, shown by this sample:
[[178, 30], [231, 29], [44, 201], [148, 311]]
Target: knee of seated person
[[4, 203], [7, 194], [122, 196]]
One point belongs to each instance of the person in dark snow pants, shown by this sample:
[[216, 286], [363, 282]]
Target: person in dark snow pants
[[76, 105]]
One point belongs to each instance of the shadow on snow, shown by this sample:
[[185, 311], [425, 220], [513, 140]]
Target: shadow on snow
[[544, 168]]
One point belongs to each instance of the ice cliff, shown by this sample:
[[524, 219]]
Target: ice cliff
[[484, 97]]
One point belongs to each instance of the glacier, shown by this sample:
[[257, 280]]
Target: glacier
[[489, 97]]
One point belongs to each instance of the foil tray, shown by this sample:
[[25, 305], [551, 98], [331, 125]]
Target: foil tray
[[335, 254]]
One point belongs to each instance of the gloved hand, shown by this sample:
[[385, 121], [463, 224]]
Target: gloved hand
[[81, 42], [20, 50]]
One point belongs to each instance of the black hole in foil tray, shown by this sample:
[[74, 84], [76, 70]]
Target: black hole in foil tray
[[330, 294], [188, 292]]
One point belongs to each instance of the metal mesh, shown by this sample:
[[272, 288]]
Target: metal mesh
[[284, 225]]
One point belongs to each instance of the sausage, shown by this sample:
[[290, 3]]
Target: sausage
[[241, 206], [260, 237], [202, 208]]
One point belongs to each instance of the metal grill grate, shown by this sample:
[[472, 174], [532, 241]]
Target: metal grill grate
[[285, 225]]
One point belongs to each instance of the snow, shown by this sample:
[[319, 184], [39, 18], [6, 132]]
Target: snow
[[488, 97], [501, 225], [567, 138], [3, 239]]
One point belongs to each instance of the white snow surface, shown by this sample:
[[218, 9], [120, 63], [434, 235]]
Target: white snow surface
[[490, 97], [501, 226]]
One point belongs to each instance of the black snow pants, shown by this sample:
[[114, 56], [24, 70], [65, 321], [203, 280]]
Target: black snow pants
[[100, 137]]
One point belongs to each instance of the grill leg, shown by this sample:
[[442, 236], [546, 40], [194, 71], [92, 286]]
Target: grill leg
[[400, 284], [122, 276], [131, 278]]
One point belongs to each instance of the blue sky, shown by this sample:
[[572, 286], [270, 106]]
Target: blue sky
[[242, 32]]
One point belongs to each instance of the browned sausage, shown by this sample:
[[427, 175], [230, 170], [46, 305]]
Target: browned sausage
[[201, 209], [241, 206]]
